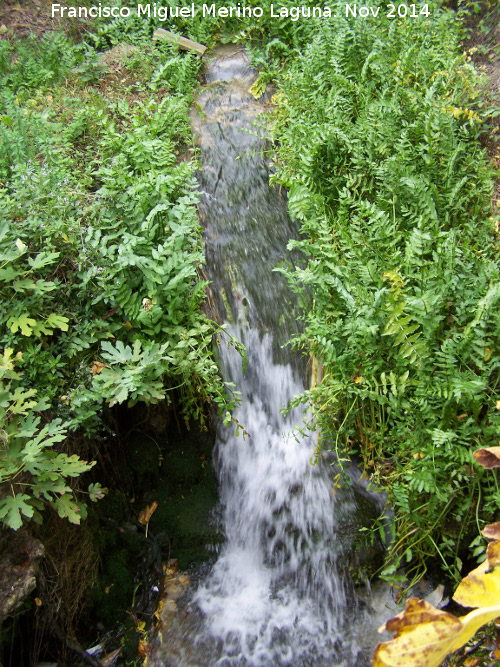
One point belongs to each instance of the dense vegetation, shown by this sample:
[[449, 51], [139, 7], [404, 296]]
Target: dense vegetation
[[377, 129], [101, 249]]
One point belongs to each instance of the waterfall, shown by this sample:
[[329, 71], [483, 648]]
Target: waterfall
[[274, 595]]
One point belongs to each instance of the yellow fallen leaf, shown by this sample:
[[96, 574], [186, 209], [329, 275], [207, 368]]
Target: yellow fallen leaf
[[359, 379], [159, 610], [426, 635], [481, 587], [259, 88], [472, 662]]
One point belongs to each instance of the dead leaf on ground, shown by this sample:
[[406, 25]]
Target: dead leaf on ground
[[426, 635], [492, 531], [97, 367], [142, 649], [488, 457], [146, 514]]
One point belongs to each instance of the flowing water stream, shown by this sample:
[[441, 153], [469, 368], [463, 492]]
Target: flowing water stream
[[276, 594]]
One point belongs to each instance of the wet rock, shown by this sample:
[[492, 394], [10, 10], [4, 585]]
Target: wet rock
[[359, 509], [19, 558]]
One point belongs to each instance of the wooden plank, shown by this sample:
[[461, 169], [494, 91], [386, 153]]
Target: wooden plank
[[182, 42]]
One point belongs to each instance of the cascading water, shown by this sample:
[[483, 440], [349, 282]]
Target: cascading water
[[274, 596]]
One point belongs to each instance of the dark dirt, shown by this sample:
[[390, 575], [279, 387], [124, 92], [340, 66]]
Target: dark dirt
[[25, 17], [484, 47]]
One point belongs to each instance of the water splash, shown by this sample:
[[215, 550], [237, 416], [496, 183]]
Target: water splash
[[274, 596]]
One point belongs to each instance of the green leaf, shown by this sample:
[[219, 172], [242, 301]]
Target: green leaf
[[42, 259], [67, 507], [23, 322], [57, 322], [96, 492], [11, 508]]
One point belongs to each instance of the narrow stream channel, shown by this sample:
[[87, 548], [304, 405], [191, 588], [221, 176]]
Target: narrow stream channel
[[276, 594]]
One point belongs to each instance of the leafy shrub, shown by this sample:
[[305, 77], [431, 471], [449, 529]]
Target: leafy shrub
[[35, 62], [101, 301], [33, 474]]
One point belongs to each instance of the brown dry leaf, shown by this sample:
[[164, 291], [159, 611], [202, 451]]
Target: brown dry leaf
[[488, 457], [491, 531], [145, 515], [142, 649], [97, 367], [38, 602]]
